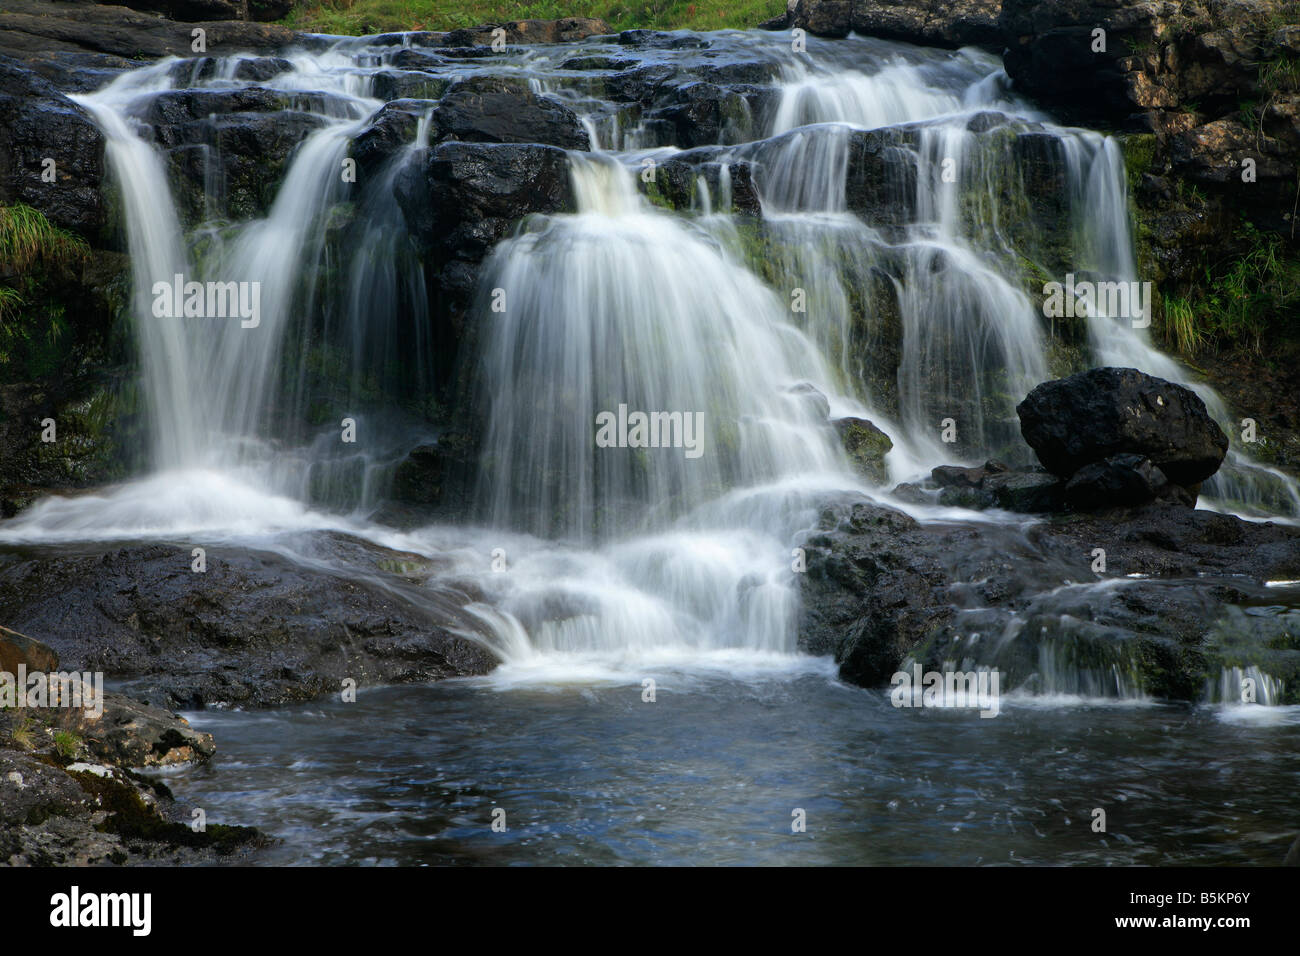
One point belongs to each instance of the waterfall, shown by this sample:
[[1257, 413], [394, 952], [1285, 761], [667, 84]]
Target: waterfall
[[658, 393], [625, 307]]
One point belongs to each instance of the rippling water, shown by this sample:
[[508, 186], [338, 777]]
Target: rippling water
[[711, 771]]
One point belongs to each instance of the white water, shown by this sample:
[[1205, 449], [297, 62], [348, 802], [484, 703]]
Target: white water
[[623, 559]]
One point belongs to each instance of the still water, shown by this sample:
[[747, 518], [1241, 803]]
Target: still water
[[714, 769]]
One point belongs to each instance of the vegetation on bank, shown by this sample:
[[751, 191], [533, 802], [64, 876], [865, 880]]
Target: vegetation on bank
[[357, 17], [1245, 301], [36, 257]]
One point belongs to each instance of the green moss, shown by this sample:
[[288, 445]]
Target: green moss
[[130, 817], [867, 447], [1139, 150]]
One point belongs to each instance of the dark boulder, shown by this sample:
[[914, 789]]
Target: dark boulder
[[391, 129], [1120, 480], [869, 594], [702, 114], [408, 84], [1026, 492], [463, 198], [503, 110], [1076, 421], [995, 485], [466, 196]]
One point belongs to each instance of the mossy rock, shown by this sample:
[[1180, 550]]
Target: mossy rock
[[866, 446]]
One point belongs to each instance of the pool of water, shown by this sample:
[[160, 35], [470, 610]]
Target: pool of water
[[714, 770]]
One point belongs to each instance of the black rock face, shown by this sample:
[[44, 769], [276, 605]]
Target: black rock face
[[500, 110], [39, 124]]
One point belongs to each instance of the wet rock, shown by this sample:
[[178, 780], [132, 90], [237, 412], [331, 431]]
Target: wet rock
[[588, 64], [1024, 492], [958, 476], [191, 71], [38, 123], [420, 475], [1119, 480], [59, 813], [404, 84], [682, 181], [503, 110], [880, 185], [391, 129], [996, 485], [128, 733], [866, 446], [657, 40], [230, 166], [19, 650], [254, 630], [75, 71], [1076, 421], [465, 197], [881, 587], [868, 594], [702, 114], [34, 26], [808, 393], [926, 22]]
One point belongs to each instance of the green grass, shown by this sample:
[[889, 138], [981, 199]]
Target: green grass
[[27, 238], [35, 257], [1246, 301], [354, 17], [1182, 331], [66, 744]]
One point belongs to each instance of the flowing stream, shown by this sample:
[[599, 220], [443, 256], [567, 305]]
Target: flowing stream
[[666, 563]]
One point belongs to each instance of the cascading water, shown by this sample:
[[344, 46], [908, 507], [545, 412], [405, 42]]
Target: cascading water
[[909, 210], [915, 307]]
